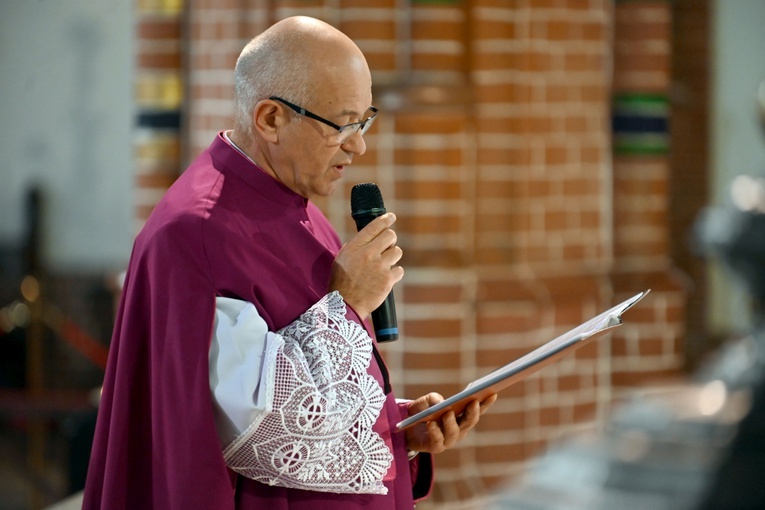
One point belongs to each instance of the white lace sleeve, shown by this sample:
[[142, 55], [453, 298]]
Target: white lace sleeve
[[315, 432]]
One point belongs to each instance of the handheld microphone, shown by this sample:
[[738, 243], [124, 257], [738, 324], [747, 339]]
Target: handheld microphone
[[366, 205]]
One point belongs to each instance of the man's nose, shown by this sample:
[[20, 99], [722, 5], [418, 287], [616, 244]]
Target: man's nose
[[356, 144]]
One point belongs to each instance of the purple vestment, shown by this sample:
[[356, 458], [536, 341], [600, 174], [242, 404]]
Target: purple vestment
[[225, 228]]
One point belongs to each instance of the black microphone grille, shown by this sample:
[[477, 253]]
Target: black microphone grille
[[366, 196]]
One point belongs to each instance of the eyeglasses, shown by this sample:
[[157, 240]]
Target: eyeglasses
[[344, 132]]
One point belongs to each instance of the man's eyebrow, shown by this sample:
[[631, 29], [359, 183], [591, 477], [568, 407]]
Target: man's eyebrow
[[351, 113]]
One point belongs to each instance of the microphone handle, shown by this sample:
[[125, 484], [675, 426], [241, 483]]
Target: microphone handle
[[384, 320], [383, 317]]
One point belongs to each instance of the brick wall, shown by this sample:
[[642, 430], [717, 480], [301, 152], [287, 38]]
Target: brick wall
[[690, 158], [651, 343], [521, 213], [159, 98]]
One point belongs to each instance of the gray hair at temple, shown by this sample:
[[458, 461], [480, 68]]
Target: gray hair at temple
[[271, 64]]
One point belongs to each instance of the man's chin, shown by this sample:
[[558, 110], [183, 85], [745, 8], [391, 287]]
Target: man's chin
[[325, 190]]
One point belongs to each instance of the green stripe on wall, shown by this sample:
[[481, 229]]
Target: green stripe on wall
[[640, 143]]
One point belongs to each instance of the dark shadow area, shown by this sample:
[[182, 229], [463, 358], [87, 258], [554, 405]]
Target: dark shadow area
[[54, 333]]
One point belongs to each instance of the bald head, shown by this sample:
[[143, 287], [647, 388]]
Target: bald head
[[294, 59]]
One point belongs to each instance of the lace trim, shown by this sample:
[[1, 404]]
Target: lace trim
[[316, 433]]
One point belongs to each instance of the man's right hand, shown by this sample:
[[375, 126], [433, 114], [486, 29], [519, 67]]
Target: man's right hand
[[365, 270]]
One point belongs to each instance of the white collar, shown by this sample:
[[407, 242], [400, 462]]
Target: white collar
[[235, 146]]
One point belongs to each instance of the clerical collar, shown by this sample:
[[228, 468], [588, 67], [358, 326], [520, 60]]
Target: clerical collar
[[235, 146], [302, 199]]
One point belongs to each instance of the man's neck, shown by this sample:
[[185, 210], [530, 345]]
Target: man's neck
[[250, 149], [242, 143]]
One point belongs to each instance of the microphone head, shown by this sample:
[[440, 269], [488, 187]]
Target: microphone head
[[366, 197]]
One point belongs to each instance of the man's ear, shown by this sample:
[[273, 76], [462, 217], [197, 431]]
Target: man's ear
[[268, 118]]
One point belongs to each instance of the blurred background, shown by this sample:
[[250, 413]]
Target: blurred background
[[546, 159]]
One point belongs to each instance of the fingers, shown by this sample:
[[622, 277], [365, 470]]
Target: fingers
[[378, 241], [441, 433], [454, 428], [451, 429], [365, 269], [469, 418], [390, 257], [382, 240], [473, 412], [446, 431], [424, 402], [377, 226], [487, 402]]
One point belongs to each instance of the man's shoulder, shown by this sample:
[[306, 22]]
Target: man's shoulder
[[178, 216]]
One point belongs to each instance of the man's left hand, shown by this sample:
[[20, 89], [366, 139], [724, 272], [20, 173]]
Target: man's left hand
[[441, 434]]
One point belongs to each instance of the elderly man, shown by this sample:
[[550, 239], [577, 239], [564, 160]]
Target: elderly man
[[242, 371]]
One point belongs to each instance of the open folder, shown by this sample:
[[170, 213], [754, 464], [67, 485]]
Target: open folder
[[526, 365]]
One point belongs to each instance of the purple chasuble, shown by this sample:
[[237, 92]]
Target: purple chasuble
[[225, 228]]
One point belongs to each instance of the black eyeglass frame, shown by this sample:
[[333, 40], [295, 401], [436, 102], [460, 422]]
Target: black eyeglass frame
[[362, 125]]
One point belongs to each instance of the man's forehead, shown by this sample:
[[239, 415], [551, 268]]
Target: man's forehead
[[343, 101]]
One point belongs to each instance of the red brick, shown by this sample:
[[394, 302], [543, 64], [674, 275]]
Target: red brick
[[380, 61], [632, 30], [369, 29], [433, 328], [583, 62], [428, 224], [642, 63], [159, 61], [499, 61], [495, 29], [432, 293], [549, 416], [488, 360], [500, 453], [494, 421], [154, 181], [651, 347], [425, 29], [498, 189], [420, 123], [643, 378], [428, 190], [439, 360], [437, 62], [591, 350], [592, 31], [573, 252], [514, 320], [159, 29], [449, 156], [584, 412]]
